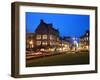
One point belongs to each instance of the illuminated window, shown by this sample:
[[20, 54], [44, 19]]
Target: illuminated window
[[44, 43], [51, 43], [57, 39], [51, 37], [38, 36], [87, 38], [44, 36], [38, 42], [87, 34]]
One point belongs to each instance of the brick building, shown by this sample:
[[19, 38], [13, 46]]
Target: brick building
[[46, 35], [48, 38]]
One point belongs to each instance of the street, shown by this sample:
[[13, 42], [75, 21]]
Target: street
[[60, 59]]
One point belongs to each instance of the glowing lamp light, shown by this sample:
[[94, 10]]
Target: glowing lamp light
[[76, 43], [31, 42]]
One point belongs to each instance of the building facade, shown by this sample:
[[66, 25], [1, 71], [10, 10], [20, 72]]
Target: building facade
[[30, 40], [84, 41], [46, 36]]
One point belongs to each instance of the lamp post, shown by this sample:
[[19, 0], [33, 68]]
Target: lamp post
[[31, 44]]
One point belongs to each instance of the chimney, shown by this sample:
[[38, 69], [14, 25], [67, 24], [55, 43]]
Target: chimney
[[42, 21]]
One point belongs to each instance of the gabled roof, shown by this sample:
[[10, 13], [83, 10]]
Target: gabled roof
[[45, 28]]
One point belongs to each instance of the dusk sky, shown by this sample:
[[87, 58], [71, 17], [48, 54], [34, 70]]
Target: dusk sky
[[67, 24]]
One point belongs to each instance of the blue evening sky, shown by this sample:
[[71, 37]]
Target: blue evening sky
[[68, 24]]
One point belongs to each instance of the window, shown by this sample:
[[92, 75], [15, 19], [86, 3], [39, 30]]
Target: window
[[57, 43], [44, 36], [44, 43], [87, 38], [38, 36], [57, 39], [87, 34], [38, 42], [51, 43], [51, 37]]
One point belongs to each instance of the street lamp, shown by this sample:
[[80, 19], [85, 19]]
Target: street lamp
[[31, 44]]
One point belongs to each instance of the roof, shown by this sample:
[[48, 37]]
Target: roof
[[46, 28]]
